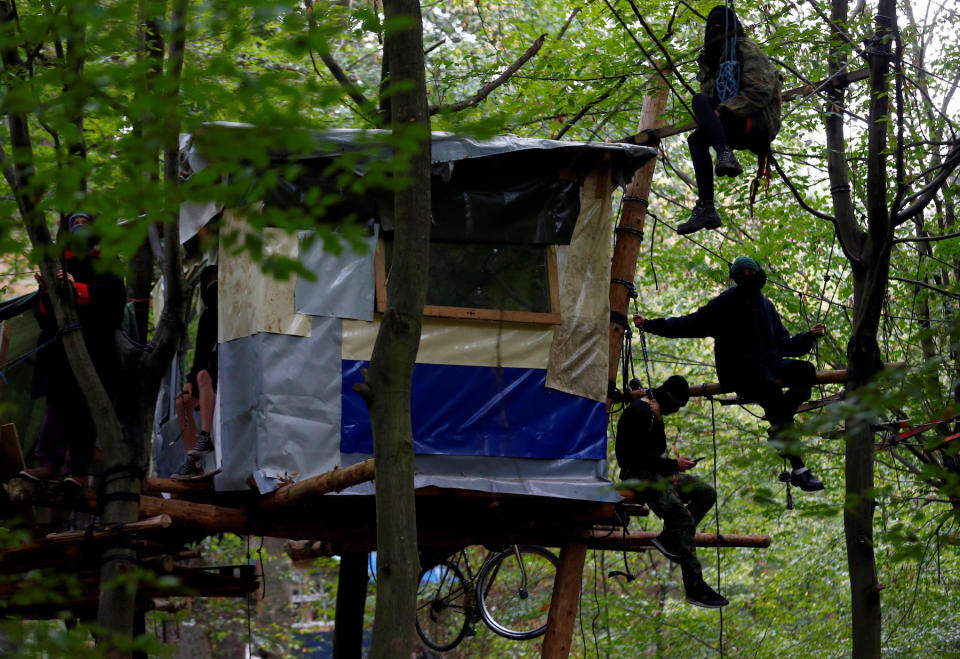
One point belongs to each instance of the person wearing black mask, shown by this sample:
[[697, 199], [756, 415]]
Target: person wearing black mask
[[751, 347], [679, 499], [64, 448], [738, 108], [200, 390]]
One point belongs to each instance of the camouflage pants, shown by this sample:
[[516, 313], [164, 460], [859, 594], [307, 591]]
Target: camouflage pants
[[681, 506]]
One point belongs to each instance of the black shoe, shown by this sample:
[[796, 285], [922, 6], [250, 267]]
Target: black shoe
[[204, 445], [662, 548], [705, 596], [727, 164], [806, 481], [704, 216], [191, 468]]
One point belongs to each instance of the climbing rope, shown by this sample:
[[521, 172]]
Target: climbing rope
[[728, 73]]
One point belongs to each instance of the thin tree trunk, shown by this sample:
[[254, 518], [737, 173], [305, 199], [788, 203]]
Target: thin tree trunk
[[388, 381]]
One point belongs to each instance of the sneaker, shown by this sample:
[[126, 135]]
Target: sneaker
[[806, 481], [38, 474], [204, 445], [662, 548], [75, 480], [191, 468], [705, 596], [727, 163], [704, 216]]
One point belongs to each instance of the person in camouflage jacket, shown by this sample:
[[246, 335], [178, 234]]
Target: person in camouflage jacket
[[750, 119]]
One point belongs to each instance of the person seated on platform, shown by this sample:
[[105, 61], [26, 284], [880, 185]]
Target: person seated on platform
[[679, 499], [67, 437], [200, 390], [750, 348], [738, 108]]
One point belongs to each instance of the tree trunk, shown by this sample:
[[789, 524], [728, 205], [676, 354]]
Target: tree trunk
[[388, 381]]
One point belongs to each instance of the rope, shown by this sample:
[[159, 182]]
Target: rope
[[716, 505], [25, 356]]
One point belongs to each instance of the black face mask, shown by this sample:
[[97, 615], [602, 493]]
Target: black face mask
[[751, 283], [209, 294], [85, 233]]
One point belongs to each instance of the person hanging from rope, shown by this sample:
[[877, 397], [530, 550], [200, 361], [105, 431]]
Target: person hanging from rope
[[200, 390], [738, 108], [751, 347], [679, 499], [65, 446]]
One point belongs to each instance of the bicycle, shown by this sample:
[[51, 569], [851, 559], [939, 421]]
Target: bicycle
[[511, 593]]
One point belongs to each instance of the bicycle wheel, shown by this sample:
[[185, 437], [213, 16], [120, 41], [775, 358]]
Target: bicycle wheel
[[514, 595], [442, 607]]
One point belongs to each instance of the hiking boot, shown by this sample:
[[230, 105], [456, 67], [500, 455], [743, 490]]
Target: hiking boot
[[806, 481], [191, 468], [705, 596], [727, 163], [204, 445], [663, 549], [704, 216]]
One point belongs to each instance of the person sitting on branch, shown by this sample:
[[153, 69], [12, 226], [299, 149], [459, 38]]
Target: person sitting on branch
[[200, 390], [68, 435], [750, 348], [738, 108], [679, 499]]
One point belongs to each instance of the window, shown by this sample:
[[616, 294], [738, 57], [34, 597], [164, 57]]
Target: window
[[484, 281]]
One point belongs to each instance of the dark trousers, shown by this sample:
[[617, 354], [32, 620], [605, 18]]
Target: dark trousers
[[755, 383], [681, 506], [720, 132], [67, 435]]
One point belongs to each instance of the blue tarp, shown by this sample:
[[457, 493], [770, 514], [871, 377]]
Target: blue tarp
[[483, 410]]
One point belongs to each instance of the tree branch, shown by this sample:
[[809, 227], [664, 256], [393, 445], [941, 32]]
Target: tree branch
[[927, 239], [493, 84], [799, 198], [931, 287], [586, 108], [927, 193]]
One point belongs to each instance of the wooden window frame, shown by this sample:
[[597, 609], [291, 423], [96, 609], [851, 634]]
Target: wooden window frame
[[467, 313]]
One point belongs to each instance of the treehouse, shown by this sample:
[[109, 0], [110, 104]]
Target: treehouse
[[510, 383]]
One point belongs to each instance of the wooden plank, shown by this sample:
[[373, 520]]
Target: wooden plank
[[629, 234], [564, 602], [464, 313], [790, 95], [11, 455], [174, 486]]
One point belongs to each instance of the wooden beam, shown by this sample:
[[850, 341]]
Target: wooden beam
[[823, 377], [790, 95], [629, 232], [174, 486], [308, 490], [564, 602]]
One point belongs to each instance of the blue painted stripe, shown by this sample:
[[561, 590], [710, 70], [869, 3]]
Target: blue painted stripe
[[482, 410]]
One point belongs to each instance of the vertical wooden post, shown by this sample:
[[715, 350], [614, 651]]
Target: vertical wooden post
[[630, 229], [351, 598], [563, 603]]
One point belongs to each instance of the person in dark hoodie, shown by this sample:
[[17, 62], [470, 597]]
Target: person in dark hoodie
[[679, 499], [738, 107], [200, 390], [67, 434], [751, 348]]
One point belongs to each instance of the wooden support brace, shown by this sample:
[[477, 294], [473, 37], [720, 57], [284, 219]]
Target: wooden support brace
[[309, 489], [564, 602]]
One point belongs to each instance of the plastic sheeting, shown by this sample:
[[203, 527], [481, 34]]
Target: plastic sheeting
[[580, 350], [251, 301], [477, 410], [345, 283], [566, 479], [279, 400], [462, 343]]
